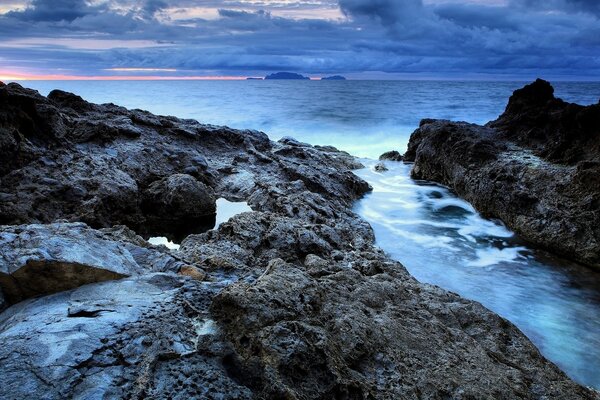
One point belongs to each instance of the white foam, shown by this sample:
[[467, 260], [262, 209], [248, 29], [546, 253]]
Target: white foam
[[157, 241], [492, 256]]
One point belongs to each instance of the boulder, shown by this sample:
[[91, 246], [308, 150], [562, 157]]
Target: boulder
[[179, 205], [42, 259]]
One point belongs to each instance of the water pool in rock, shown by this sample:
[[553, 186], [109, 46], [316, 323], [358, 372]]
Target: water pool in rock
[[442, 240], [225, 210]]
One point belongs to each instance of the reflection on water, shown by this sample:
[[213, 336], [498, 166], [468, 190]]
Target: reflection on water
[[442, 240], [225, 211]]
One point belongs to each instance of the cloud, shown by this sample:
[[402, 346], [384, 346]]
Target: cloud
[[515, 37], [56, 10]]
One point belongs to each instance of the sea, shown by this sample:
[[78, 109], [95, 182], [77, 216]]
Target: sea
[[439, 238]]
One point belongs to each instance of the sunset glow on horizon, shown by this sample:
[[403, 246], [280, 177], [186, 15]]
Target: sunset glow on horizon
[[8, 76]]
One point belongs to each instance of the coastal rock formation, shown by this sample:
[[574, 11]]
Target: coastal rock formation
[[290, 301], [537, 168]]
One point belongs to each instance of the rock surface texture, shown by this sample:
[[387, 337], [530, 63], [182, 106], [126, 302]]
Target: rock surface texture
[[537, 168], [290, 301]]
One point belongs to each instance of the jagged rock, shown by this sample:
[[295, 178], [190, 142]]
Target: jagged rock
[[65, 158], [391, 156], [537, 168], [42, 259], [347, 335]]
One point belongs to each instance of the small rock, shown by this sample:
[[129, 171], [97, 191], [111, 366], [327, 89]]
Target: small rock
[[391, 156], [380, 167], [193, 272]]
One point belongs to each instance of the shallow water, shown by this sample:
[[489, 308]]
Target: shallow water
[[439, 238], [225, 211], [442, 240]]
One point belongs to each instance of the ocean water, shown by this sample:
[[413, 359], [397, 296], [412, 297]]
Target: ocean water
[[439, 238]]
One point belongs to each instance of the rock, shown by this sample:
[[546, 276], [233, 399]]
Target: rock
[[341, 336], [286, 76], [142, 337], [291, 300], [380, 167], [536, 168], [391, 156], [43, 259], [193, 272], [3, 302], [178, 205]]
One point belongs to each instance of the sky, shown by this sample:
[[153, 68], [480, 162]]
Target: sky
[[361, 39]]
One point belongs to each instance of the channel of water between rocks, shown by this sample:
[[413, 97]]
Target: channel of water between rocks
[[442, 240]]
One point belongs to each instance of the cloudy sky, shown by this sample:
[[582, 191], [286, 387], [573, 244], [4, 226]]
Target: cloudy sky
[[358, 38]]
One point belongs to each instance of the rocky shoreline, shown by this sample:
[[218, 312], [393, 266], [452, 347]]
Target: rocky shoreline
[[537, 168], [290, 301]]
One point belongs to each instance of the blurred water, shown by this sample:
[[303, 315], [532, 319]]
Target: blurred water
[[442, 240], [439, 238]]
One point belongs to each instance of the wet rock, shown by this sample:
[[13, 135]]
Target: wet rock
[[380, 167], [391, 156], [535, 168], [42, 259], [140, 337]]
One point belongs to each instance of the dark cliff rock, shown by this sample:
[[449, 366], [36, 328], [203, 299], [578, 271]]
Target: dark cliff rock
[[537, 167], [290, 301]]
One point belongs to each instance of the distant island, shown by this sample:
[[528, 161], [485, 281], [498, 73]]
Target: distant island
[[287, 75], [333, 78], [252, 78]]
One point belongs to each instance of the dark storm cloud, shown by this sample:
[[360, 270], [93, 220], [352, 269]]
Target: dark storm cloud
[[245, 37], [56, 10]]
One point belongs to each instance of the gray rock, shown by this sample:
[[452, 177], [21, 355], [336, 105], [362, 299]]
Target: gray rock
[[140, 337], [42, 259]]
